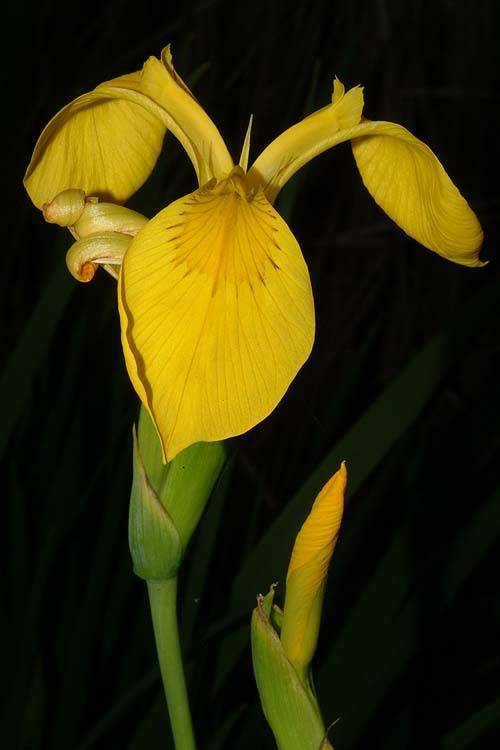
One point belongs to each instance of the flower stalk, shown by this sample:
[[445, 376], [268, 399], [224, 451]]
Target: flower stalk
[[166, 504], [163, 603]]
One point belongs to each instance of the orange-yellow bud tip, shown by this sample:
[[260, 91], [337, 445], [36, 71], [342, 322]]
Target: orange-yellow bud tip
[[65, 209]]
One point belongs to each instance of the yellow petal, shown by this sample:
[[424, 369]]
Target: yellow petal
[[407, 180], [216, 312], [183, 116], [308, 570], [105, 143], [191, 125], [299, 144]]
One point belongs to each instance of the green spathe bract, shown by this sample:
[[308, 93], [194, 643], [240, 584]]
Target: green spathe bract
[[167, 500], [185, 484], [291, 713], [155, 544]]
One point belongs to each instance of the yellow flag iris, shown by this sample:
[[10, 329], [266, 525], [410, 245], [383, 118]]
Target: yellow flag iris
[[215, 300]]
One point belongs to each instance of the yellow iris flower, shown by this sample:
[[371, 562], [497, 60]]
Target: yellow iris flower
[[215, 300]]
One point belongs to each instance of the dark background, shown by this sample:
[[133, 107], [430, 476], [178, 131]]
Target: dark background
[[402, 382]]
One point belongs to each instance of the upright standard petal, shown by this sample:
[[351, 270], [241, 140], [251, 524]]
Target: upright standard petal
[[105, 143], [302, 142], [216, 312], [409, 183], [189, 122]]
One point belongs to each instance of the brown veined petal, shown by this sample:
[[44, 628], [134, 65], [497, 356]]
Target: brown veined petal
[[105, 143], [409, 183], [216, 312]]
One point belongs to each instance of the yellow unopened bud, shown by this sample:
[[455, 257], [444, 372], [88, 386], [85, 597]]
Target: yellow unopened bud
[[307, 573], [65, 209], [98, 217], [105, 249]]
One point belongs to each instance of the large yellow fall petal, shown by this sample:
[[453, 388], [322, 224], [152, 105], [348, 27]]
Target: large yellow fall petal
[[216, 312], [408, 181], [105, 143], [307, 572]]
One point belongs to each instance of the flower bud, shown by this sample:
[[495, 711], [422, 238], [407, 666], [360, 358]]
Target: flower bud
[[98, 217], [290, 709], [65, 209], [105, 249], [283, 643], [307, 573]]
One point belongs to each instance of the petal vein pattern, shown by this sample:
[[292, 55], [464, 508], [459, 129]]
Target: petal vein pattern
[[80, 148], [217, 313], [410, 184]]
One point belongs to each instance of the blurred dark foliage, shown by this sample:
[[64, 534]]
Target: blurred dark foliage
[[78, 650]]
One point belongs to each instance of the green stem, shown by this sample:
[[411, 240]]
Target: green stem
[[163, 603]]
